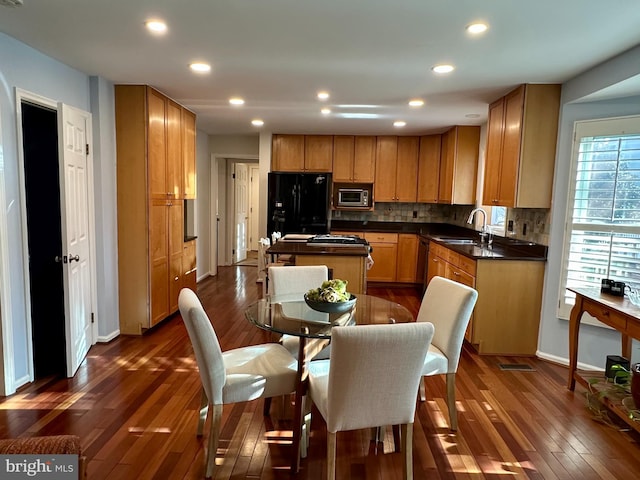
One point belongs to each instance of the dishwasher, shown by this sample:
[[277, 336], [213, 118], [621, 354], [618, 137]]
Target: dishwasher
[[423, 261]]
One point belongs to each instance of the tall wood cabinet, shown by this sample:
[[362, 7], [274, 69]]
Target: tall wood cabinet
[[521, 147], [429, 168], [396, 169], [153, 147], [459, 165]]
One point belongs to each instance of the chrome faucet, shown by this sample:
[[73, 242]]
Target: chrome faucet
[[483, 232]]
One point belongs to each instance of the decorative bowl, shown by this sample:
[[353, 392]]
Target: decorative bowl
[[331, 307]]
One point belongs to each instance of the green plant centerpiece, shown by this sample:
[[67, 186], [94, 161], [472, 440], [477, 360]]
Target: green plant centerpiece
[[603, 392], [330, 297]]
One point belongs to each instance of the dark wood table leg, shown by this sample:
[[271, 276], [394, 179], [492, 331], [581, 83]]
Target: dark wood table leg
[[574, 330]]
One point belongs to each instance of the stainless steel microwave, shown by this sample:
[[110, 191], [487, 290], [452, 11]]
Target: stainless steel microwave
[[354, 197]]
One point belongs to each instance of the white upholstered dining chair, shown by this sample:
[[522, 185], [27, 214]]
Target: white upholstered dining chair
[[448, 306], [371, 379], [238, 375], [291, 283]]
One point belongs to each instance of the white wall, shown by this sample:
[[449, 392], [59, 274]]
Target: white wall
[[595, 342], [25, 68]]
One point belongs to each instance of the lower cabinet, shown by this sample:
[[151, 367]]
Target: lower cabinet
[[189, 265], [384, 254], [506, 317]]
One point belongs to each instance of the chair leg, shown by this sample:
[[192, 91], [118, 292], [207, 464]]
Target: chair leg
[[423, 395], [451, 401], [306, 426], [407, 447], [204, 409], [331, 455], [214, 437], [397, 442]]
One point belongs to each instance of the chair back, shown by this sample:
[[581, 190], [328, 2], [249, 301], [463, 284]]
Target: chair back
[[374, 374], [448, 306], [294, 281], [205, 345]]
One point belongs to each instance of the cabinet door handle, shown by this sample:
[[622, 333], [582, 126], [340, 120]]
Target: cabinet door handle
[[177, 278]]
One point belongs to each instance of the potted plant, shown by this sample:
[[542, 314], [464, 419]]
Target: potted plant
[[616, 391]]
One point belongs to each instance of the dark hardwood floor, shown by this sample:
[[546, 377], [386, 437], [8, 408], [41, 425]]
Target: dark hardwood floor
[[134, 404]]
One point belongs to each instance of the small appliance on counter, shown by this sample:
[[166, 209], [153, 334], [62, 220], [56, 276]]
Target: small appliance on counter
[[354, 196]]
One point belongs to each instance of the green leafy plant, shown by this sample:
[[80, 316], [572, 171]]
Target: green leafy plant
[[614, 390]]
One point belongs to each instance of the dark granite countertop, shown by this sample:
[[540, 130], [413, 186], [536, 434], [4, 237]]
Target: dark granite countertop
[[501, 249]]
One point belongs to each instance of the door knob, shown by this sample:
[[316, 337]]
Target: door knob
[[74, 258]]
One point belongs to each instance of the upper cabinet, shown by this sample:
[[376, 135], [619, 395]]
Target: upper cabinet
[[354, 159], [300, 153], [189, 153], [521, 147], [459, 165], [396, 169], [429, 168]]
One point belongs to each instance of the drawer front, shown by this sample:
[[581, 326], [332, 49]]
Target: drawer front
[[452, 257], [438, 250], [461, 277], [605, 315], [375, 237], [467, 264]]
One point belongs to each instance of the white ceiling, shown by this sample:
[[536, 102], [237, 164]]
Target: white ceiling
[[277, 54]]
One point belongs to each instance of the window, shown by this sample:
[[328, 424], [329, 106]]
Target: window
[[602, 237]]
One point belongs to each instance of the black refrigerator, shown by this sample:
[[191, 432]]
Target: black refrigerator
[[298, 202]]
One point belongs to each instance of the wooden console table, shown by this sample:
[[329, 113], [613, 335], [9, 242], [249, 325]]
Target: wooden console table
[[617, 312]]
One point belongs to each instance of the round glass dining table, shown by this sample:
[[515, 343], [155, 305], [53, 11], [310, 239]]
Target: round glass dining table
[[290, 315]]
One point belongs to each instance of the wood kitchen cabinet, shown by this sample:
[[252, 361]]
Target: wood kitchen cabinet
[[429, 168], [506, 317], [459, 165], [150, 163], [396, 169], [521, 147], [407, 260], [189, 265], [384, 254], [189, 154], [354, 159], [300, 153]]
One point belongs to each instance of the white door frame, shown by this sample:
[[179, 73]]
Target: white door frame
[[254, 204], [7, 330], [220, 208]]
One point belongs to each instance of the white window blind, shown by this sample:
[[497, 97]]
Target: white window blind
[[602, 238]]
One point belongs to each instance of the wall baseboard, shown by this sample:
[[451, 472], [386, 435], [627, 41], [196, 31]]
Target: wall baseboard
[[565, 361], [108, 338]]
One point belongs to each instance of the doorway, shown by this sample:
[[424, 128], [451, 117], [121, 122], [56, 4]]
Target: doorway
[[43, 214]]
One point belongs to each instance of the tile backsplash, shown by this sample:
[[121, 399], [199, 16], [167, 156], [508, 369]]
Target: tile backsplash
[[528, 224]]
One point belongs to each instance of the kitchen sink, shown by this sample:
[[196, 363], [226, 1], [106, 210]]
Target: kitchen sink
[[457, 241]]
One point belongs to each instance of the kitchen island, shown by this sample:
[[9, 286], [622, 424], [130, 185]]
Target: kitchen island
[[347, 262]]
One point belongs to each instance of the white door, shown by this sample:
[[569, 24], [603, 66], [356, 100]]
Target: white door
[[74, 198], [241, 203], [254, 181]]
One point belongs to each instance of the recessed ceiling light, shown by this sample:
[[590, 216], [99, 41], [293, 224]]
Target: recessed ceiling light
[[257, 122], [476, 28], [444, 68], [416, 103], [200, 67], [156, 26], [358, 115], [325, 111], [236, 101], [323, 95], [399, 124]]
